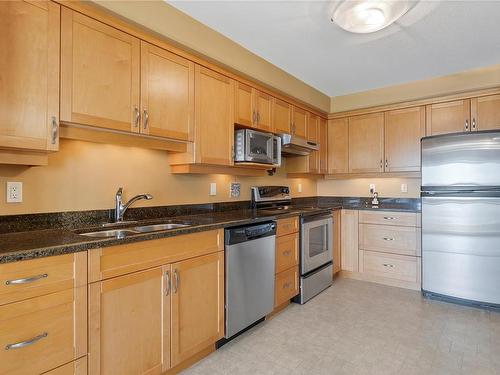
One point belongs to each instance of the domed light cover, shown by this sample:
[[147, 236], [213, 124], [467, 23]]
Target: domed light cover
[[368, 16]]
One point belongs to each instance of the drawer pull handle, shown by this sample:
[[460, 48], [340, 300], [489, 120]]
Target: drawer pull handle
[[388, 239], [390, 218], [176, 281], [27, 279], [167, 283], [22, 344], [388, 265]]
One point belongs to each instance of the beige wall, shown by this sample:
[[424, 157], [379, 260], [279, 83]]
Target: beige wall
[[469, 80], [85, 176], [176, 26], [359, 187]]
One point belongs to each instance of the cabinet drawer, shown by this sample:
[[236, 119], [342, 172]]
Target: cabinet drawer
[[410, 219], [391, 239], [42, 333], [123, 259], [287, 252], [78, 367], [286, 286], [398, 267], [287, 226], [33, 278]]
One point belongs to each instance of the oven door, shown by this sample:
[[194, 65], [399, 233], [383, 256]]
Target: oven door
[[259, 147], [316, 243]]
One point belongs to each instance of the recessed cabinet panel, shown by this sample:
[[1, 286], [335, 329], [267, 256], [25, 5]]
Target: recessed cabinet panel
[[29, 75], [403, 130], [338, 146], [323, 146], [366, 143], [313, 128], [448, 117], [244, 112], [167, 94], [485, 113], [299, 128], [282, 116], [99, 74], [264, 110]]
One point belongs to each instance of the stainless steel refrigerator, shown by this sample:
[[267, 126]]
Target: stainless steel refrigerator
[[461, 216]]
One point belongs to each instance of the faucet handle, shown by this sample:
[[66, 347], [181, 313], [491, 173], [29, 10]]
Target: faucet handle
[[120, 191]]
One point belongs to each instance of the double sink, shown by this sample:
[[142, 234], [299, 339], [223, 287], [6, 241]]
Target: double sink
[[132, 230]]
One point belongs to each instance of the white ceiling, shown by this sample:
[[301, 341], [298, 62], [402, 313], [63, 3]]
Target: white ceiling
[[435, 38]]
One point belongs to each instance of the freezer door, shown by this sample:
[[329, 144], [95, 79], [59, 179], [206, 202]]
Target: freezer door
[[469, 159], [461, 247]]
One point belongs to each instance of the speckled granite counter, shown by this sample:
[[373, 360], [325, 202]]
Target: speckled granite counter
[[25, 237]]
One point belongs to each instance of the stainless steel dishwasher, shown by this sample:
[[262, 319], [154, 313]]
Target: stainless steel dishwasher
[[249, 266]]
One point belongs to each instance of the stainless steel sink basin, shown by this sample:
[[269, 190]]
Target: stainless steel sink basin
[[158, 227], [118, 233]]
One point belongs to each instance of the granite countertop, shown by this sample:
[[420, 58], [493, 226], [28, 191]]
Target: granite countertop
[[47, 241]]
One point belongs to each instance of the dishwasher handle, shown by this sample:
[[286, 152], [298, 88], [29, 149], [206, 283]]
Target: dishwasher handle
[[249, 232]]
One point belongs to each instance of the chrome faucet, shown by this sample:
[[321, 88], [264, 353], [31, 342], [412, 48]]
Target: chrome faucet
[[120, 208]]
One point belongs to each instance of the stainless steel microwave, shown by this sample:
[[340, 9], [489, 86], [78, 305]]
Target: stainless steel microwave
[[257, 147]]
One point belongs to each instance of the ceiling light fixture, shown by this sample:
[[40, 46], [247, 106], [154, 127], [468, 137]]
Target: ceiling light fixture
[[368, 16]]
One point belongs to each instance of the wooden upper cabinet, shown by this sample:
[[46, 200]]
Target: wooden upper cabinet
[[214, 106], [338, 146], [312, 128], [129, 323], [264, 110], [167, 94], [99, 74], [448, 117], [282, 116], [485, 113], [366, 143], [197, 305], [323, 146], [29, 75], [403, 130], [299, 127], [244, 111]]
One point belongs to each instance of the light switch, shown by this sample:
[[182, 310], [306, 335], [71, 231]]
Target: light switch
[[299, 188], [14, 192], [372, 188], [213, 188], [404, 188]]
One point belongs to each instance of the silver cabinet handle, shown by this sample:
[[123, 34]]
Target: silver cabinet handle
[[254, 118], [146, 119], [386, 163], [473, 124], [258, 117], [466, 125], [390, 218], [167, 283], [54, 130], [137, 117], [381, 164], [388, 265], [22, 344], [388, 239], [26, 280], [176, 281]]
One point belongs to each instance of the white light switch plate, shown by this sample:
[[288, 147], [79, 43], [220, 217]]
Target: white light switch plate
[[372, 188], [213, 188], [299, 188], [404, 188], [14, 192]]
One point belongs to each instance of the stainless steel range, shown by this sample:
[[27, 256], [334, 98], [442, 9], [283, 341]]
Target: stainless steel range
[[316, 237]]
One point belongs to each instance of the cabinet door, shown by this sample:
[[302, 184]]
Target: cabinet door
[[403, 130], [29, 74], [338, 146], [485, 113], [99, 74], [244, 109], [366, 143], [128, 324], [449, 117], [323, 146], [314, 161], [197, 305], [299, 122], [167, 94], [336, 240], [282, 116], [313, 128], [264, 109], [349, 240], [214, 105]]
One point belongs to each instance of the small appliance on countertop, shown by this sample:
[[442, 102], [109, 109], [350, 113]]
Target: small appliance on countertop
[[316, 237]]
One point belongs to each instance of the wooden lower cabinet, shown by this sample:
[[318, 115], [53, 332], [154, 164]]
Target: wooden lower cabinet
[[337, 227], [286, 286], [197, 305], [78, 367], [349, 240]]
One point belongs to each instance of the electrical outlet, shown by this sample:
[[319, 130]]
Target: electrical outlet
[[404, 188], [14, 192], [299, 188], [234, 189], [372, 188], [213, 189]]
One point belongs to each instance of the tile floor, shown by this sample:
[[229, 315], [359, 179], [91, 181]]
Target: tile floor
[[356, 327]]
